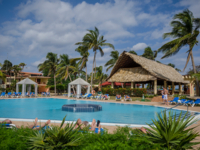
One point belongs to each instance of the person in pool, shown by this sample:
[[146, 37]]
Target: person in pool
[[32, 126], [81, 124]]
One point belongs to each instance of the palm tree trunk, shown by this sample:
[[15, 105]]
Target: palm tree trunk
[[93, 69], [71, 81], [55, 83], [195, 71], [86, 72]]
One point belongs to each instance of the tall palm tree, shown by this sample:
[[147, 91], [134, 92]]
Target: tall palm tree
[[22, 65], [16, 69], [100, 75], [133, 52], [114, 57], [2, 75], [7, 66], [185, 29], [51, 64], [83, 61], [94, 41], [148, 53], [173, 66]]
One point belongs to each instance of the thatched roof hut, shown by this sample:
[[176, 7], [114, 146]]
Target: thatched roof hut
[[134, 68]]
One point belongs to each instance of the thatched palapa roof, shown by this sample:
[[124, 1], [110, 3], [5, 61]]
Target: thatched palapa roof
[[134, 68]]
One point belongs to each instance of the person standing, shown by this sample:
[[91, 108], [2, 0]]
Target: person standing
[[165, 92]]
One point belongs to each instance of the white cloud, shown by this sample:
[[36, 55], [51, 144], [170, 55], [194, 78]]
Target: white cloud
[[192, 5], [139, 46]]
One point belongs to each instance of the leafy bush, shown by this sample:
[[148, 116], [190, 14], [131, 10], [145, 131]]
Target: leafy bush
[[11, 139], [171, 133], [124, 91], [56, 138]]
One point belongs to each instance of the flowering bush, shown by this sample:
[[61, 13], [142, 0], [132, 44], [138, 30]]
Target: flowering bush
[[124, 91]]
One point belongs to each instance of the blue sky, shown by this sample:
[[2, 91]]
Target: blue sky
[[29, 29]]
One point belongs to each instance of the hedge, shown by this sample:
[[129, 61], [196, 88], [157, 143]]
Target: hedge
[[125, 91]]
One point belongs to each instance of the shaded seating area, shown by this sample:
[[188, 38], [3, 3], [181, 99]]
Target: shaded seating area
[[27, 82], [133, 70]]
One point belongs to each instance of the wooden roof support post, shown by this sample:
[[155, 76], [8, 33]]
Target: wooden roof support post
[[112, 85], [142, 85], [192, 88], [155, 86], [165, 84], [132, 84], [173, 88], [180, 89]]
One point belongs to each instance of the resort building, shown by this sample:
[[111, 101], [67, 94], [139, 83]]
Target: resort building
[[36, 77], [134, 69]]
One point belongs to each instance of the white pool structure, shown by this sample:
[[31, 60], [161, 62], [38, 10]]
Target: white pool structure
[[27, 109]]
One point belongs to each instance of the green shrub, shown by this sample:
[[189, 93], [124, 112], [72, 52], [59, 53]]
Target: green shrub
[[124, 91], [176, 95], [171, 133], [12, 139], [56, 138]]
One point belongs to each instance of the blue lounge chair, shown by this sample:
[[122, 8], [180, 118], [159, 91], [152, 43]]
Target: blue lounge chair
[[43, 94], [3, 94], [182, 101], [108, 97], [9, 94], [84, 96], [48, 94], [89, 95], [127, 99], [195, 102], [188, 102], [7, 126], [98, 96], [118, 99], [175, 100]]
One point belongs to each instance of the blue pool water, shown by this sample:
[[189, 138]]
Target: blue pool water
[[50, 108]]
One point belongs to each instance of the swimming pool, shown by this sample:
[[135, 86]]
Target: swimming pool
[[51, 108]]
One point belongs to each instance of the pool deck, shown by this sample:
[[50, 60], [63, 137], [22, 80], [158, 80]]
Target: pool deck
[[111, 128]]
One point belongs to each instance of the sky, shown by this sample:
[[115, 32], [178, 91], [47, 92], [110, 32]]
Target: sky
[[29, 29]]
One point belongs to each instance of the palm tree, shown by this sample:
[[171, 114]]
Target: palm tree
[[173, 66], [111, 62], [2, 75], [133, 52], [16, 69], [148, 53], [51, 64], [83, 61], [22, 65], [7, 66], [100, 75], [185, 31], [94, 41]]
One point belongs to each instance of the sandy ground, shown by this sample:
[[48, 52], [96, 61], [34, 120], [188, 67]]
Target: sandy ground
[[111, 129]]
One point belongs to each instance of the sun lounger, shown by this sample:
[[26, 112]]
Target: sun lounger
[[182, 101], [7, 126], [98, 96], [118, 99], [175, 100], [188, 102], [127, 99], [3, 94], [107, 98], [9, 94], [84, 96], [195, 102], [89, 96], [48, 94]]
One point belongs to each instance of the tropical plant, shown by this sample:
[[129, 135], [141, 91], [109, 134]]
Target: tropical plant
[[51, 64], [114, 55], [66, 66], [173, 66], [191, 71], [148, 53], [185, 31], [7, 66], [16, 69], [100, 76], [133, 52], [2, 75], [22, 65], [172, 132], [83, 61], [94, 41], [57, 137]]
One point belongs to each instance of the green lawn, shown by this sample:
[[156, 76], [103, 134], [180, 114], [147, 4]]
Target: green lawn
[[133, 98]]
